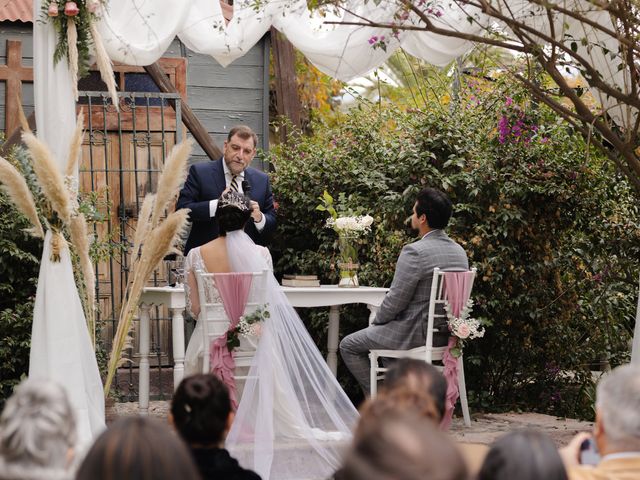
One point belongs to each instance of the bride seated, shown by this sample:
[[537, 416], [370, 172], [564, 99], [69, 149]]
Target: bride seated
[[293, 418]]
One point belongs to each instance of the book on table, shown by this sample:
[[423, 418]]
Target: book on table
[[300, 281]]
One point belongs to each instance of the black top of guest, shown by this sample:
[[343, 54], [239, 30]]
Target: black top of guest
[[216, 464], [201, 412]]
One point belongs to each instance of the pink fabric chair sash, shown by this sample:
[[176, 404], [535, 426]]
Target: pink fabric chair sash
[[457, 289], [234, 289]]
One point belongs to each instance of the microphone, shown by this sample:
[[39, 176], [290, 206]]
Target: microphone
[[246, 187]]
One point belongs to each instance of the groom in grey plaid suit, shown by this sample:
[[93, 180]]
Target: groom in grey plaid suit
[[401, 321]]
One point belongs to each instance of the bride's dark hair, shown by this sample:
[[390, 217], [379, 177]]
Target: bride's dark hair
[[233, 212]]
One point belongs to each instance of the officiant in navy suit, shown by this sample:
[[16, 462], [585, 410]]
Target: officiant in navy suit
[[207, 180]]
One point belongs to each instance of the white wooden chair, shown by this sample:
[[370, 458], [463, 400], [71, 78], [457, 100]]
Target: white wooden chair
[[428, 352], [215, 321]]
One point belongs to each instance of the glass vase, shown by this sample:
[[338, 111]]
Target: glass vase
[[348, 261]]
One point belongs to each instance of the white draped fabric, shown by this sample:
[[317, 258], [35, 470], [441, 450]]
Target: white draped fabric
[[60, 344]]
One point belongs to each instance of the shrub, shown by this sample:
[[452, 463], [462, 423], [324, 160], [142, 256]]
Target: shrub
[[554, 232]]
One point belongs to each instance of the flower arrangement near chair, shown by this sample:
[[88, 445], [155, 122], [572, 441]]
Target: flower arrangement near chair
[[249, 324], [463, 328], [349, 228]]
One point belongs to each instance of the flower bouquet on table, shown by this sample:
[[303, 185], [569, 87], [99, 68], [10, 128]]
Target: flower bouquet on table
[[349, 226], [463, 328], [250, 325]]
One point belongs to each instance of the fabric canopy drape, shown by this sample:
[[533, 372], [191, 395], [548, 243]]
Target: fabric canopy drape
[[60, 344]]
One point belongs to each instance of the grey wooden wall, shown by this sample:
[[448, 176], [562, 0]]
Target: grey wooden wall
[[220, 97]]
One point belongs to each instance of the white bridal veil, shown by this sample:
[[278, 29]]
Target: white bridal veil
[[294, 419]]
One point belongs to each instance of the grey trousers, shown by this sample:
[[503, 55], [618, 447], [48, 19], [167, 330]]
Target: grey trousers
[[354, 350]]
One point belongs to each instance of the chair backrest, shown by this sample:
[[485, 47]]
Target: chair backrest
[[436, 305], [212, 316]]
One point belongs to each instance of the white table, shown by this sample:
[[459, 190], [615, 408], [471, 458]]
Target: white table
[[333, 296], [173, 298], [330, 296]]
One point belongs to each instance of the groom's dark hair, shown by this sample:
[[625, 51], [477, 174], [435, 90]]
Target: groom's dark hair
[[200, 409], [233, 212], [435, 205]]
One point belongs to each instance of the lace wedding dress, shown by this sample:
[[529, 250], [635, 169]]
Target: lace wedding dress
[[293, 420]]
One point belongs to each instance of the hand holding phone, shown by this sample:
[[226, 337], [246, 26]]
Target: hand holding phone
[[589, 452]]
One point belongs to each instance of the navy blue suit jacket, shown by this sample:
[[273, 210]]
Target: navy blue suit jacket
[[206, 182]]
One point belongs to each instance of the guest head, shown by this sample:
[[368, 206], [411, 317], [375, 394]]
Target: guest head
[[420, 376], [391, 402], [523, 455], [431, 211], [239, 148], [405, 446], [37, 432], [617, 427], [233, 212], [201, 410], [138, 448]]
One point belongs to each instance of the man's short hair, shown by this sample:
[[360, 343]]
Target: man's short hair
[[244, 133], [418, 375], [618, 403], [435, 205]]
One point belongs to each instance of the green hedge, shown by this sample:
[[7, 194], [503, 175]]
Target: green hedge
[[18, 278], [552, 229]]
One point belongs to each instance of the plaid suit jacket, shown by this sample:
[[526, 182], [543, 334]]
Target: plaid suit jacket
[[401, 321]]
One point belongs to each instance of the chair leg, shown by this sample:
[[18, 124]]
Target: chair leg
[[463, 393], [373, 375]]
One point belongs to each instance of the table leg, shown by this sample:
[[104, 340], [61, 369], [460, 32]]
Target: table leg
[[177, 325], [332, 339], [143, 380]]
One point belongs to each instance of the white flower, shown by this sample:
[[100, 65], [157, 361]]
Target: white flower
[[350, 224]]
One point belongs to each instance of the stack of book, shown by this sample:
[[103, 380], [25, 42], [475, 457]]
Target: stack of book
[[300, 281]]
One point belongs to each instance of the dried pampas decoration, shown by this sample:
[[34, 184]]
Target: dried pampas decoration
[[104, 64], [173, 176], [160, 238], [16, 188], [49, 177], [80, 241], [72, 41]]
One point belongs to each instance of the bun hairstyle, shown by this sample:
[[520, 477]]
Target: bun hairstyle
[[200, 409], [234, 210]]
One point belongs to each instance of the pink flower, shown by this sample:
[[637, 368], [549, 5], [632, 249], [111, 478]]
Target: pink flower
[[92, 6], [463, 331], [256, 329], [508, 101], [71, 9], [53, 9]]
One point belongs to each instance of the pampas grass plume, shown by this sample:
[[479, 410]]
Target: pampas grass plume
[[16, 188], [173, 176], [104, 65], [76, 145], [72, 42], [49, 177], [158, 243], [80, 239]]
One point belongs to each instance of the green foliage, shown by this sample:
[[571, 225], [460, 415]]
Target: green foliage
[[18, 277], [553, 231]]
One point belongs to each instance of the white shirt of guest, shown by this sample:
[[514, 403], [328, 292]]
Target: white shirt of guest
[[228, 176]]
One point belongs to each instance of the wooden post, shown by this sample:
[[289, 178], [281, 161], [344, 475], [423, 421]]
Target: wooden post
[[14, 73], [286, 85], [188, 117]]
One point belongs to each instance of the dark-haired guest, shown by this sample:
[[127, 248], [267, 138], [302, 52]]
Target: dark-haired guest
[[201, 413], [138, 448], [400, 321], [523, 455]]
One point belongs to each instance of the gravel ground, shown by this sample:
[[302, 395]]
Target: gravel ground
[[485, 428]]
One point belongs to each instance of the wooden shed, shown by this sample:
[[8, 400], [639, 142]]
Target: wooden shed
[[123, 150]]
